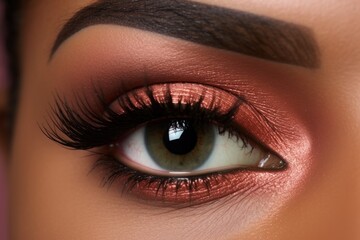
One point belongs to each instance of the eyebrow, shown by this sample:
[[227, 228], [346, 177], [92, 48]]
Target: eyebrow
[[218, 27]]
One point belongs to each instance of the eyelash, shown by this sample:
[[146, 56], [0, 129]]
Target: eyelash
[[114, 170], [86, 129]]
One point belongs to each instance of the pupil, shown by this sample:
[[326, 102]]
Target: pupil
[[180, 137]]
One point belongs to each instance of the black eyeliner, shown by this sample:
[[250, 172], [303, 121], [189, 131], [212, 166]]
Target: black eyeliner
[[83, 128]]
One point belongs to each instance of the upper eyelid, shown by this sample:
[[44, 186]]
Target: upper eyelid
[[67, 120], [248, 82]]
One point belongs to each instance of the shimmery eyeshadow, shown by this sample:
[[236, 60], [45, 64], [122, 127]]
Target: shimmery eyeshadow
[[268, 116]]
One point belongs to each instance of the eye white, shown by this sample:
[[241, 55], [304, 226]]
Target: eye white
[[229, 152]]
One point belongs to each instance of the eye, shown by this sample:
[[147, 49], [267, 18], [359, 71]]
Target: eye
[[184, 147], [178, 143]]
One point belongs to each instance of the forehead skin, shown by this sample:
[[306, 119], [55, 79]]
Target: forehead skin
[[53, 197]]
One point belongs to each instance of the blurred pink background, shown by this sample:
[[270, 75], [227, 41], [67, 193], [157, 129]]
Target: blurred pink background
[[3, 85]]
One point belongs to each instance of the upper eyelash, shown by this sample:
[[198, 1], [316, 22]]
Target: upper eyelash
[[86, 128]]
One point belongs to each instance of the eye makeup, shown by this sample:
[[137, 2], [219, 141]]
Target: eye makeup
[[86, 129], [235, 93]]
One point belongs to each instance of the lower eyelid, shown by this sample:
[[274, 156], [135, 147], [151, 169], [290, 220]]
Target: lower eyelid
[[241, 183]]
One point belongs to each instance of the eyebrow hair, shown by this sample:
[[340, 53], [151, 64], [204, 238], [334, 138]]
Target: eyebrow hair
[[223, 28]]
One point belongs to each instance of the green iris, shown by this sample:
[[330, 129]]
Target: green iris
[[179, 145]]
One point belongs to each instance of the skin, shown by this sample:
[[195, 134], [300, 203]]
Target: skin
[[53, 196]]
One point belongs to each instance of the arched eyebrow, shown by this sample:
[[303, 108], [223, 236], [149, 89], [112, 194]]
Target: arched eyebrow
[[209, 25]]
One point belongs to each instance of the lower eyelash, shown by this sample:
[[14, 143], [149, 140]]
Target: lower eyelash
[[183, 190], [116, 169]]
